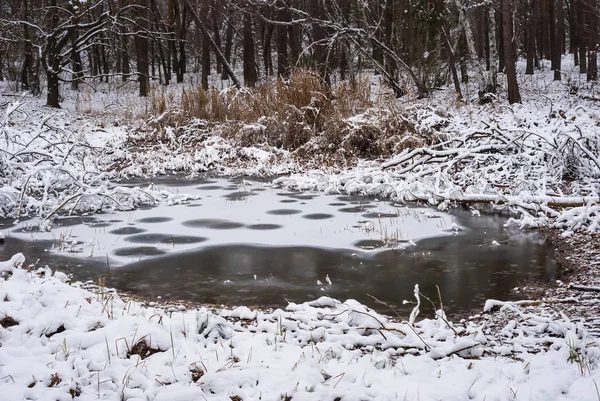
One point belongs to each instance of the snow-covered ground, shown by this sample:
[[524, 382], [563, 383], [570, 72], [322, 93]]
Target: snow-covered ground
[[63, 341]]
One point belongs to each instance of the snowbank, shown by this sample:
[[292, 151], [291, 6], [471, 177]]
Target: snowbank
[[62, 341]]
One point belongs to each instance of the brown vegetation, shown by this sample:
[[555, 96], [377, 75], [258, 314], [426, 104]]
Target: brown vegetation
[[302, 114]]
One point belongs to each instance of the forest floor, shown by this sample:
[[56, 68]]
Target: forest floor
[[62, 340]]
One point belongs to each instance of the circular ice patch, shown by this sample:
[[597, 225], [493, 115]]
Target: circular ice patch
[[215, 224], [153, 220], [317, 216], [264, 226], [284, 212], [127, 231]]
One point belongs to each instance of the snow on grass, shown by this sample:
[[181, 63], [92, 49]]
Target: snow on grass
[[62, 341]]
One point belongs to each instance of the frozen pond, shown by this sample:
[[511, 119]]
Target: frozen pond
[[243, 242]]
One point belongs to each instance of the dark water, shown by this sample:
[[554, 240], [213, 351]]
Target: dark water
[[467, 268], [203, 254]]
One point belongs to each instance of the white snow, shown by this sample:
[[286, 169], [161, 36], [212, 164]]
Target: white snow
[[62, 341]]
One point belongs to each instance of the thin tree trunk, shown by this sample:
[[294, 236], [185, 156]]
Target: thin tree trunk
[[283, 63], [559, 45], [511, 75], [493, 56], [217, 35], [77, 64], [532, 29], [267, 52], [250, 73], [27, 56], [452, 63], [141, 47], [228, 46], [52, 60]]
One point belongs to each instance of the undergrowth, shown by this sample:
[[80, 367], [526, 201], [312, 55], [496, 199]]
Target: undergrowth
[[302, 114]]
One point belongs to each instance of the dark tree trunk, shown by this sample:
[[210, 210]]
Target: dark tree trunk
[[452, 62], [27, 54], [283, 63], [267, 52], [141, 47], [388, 33], [573, 31], [205, 50], [592, 17], [531, 37], [318, 37], [295, 35], [105, 64], [228, 46], [217, 34], [559, 44], [250, 73], [511, 74], [553, 41], [77, 64], [52, 60], [581, 21], [500, 36]]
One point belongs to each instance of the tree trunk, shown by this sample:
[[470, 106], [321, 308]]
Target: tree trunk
[[466, 26], [228, 46], [250, 73], [77, 64], [141, 47], [52, 59], [493, 56], [452, 63], [559, 44], [592, 16], [295, 35], [318, 38], [552, 26], [27, 56], [283, 64], [532, 29], [205, 48], [511, 75], [217, 34]]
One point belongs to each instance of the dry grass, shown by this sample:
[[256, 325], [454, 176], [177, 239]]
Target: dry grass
[[301, 114]]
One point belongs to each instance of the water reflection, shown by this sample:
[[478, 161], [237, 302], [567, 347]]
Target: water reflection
[[467, 269]]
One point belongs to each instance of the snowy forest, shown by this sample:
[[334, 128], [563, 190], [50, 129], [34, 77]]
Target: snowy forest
[[86, 42], [299, 200]]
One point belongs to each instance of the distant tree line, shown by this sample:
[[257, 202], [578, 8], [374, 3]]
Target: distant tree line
[[414, 45]]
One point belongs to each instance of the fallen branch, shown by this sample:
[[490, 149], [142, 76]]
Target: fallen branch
[[492, 304], [584, 288]]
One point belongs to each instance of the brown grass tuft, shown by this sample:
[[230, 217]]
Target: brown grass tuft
[[142, 349], [8, 322]]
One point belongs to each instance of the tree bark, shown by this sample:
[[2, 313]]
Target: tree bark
[[532, 29], [559, 44], [283, 63], [511, 75], [141, 47], [250, 73], [493, 56], [228, 46]]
